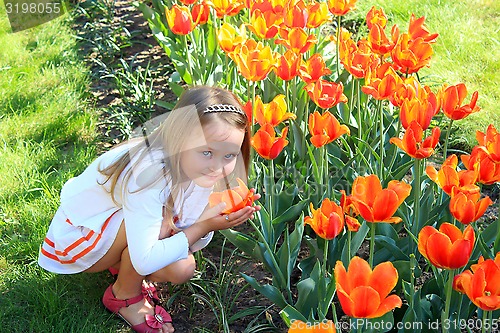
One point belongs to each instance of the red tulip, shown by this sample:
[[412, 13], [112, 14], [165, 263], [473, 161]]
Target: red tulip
[[326, 94], [364, 293], [325, 128], [327, 221], [266, 144], [412, 143], [375, 204], [491, 141], [451, 99], [447, 247], [448, 177], [481, 283], [468, 207]]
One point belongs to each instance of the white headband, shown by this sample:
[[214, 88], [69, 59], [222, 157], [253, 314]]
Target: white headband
[[223, 108]]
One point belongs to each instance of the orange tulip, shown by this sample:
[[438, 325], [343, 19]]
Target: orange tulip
[[416, 103], [481, 283], [272, 113], [253, 59], [179, 20], [264, 24], [451, 99], [376, 16], [412, 143], [296, 39], [341, 7], [417, 29], [295, 14], [381, 82], [363, 292], [447, 247], [235, 198], [187, 2], [379, 42], [288, 65], [357, 59], [266, 144], [318, 14], [491, 141], [448, 177], [200, 13], [298, 326], [479, 160], [350, 212], [411, 55], [313, 69], [375, 204], [325, 128], [327, 221], [467, 207], [230, 37], [226, 7], [326, 94]]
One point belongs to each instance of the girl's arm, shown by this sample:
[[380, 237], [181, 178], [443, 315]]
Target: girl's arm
[[212, 220]]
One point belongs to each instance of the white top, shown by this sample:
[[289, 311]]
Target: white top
[[87, 203]]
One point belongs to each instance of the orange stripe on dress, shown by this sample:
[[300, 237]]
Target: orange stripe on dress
[[75, 244]]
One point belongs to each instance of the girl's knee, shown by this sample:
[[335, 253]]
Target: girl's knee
[[177, 273]]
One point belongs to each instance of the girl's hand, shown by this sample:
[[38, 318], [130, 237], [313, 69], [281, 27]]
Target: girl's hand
[[218, 221]]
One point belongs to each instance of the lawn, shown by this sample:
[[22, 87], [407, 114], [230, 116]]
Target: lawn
[[49, 132]]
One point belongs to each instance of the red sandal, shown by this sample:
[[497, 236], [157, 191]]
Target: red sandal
[[152, 324], [148, 289]]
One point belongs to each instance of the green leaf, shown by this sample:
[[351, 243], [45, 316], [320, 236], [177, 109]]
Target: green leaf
[[289, 314], [271, 292], [292, 213]]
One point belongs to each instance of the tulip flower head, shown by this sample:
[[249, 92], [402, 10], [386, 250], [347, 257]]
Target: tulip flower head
[[313, 69], [179, 19], [267, 144], [375, 204], [235, 198], [341, 7], [448, 177], [363, 292], [272, 113], [325, 128], [412, 143], [376, 16], [479, 160], [491, 141], [452, 101], [253, 59], [481, 283], [467, 207], [326, 94], [327, 221], [448, 247]]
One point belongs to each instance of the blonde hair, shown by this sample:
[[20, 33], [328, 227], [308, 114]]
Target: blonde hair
[[170, 138]]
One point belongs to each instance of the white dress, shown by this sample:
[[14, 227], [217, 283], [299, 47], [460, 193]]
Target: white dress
[[87, 221]]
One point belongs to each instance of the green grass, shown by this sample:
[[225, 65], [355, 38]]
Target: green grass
[[47, 135], [467, 50]]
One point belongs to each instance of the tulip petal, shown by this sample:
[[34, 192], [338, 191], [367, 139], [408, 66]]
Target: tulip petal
[[388, 304], [384, 278], [358, 273], [459, 254], [438, 248], [385, 205], [423, 237], [366, 301]]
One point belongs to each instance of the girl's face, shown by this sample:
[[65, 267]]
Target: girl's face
[[211, 153]]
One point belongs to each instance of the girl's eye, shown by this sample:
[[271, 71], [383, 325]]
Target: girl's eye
[[230, 156], [207, 153]]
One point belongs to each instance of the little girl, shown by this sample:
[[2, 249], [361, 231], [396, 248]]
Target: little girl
[[140, 210]]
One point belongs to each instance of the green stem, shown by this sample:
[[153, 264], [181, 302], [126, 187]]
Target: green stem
[[381, 134], [273, 259], [349, 240], [372, 243], [271, 190], [358, 104], [449, 290], [188, 55], [417, 169], [446, 141], [325, 257], [339, 20], [484, 321]]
